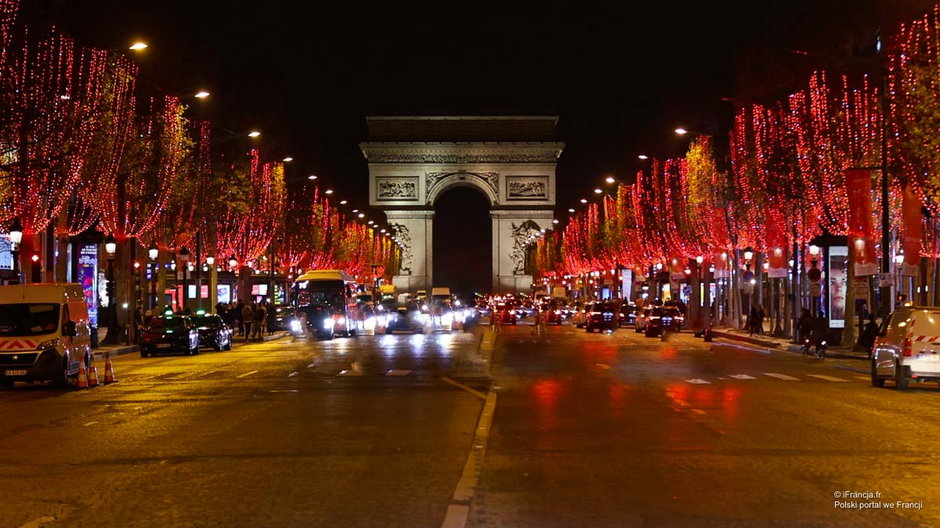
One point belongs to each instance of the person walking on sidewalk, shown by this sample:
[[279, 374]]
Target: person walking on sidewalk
[[759, 322], [248, 315], [260, 319], [751, 320]]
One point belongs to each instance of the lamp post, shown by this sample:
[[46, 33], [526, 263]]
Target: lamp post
[[16, 237], [749, 279], [112, 338], [184, 258], [153, 252], [701, 304], [898, 263]]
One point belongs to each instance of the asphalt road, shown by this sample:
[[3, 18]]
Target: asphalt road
[[621, 430], [351, 432], [590, 430]]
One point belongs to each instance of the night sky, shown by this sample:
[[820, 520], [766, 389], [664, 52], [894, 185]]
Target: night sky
[[621, 76]]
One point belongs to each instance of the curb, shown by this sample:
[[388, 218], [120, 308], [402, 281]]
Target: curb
[[745, 339], [99, 353]]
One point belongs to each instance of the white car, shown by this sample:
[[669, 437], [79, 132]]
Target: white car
[[907, 347]]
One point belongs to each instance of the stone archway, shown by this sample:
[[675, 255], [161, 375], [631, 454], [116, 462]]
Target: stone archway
[[511, 160]]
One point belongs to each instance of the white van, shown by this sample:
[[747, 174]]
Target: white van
[[44, 333], [907, 347]]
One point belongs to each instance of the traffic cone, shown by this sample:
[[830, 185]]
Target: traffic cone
[[108, 369], [93, 376], [82, 381]]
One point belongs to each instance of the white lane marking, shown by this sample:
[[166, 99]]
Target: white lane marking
[[245, 375], [397, 372], [456, 516], [283, 390], [697, 381], [89, 423], [350, 372], [292, 374], [827, 378], [863, 378], [742, 376], [36, 523], [781, 376]]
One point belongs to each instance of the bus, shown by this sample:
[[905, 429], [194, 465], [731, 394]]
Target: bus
[[325, 303]]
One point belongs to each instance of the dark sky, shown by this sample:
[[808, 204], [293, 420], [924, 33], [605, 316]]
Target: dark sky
[[621, 75]]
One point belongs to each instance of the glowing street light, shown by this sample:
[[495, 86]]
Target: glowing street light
[[202, 94], [681, 131], [610, 179], [328, 191], [598, 191], [288, 159], [343, 202], [138, 46], [362, 215], [312, 177], [554, 220], [571, 209], [254, 134], [643, 157], [584, 200], [370, 222]]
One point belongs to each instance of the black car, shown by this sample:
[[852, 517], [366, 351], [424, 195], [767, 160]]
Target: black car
[[663, 318], [173, 333], [627, 313], [213, 332], [282, 315], [407, 318], [602, 315]]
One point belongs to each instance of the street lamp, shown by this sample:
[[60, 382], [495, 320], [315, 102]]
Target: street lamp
[[681, 131], [184, 257], [16, 236], [154, 253], [202, 94], [138, 46], [110, 247], [232, 262]]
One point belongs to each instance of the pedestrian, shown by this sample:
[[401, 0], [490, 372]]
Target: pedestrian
[[751, 318], [220, 309], [260, 314], [272, 318], [248, 316], [237, 318], [759, 322], [866, 339]]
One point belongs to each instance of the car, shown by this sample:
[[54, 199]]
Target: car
[[282, 316], [552, 312], [506, 313], [907, 347], [173, 333], [628, 313], [642, 317], [408, 317], [213, 331], [602, 315], [579, 315], [661, 319]]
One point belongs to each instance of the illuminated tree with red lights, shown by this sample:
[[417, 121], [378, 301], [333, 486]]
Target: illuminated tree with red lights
[[50, 104], [253, 215]]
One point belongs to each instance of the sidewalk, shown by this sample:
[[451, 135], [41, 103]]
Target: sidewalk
[[782, 344]]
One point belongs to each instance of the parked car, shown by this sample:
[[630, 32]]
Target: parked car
[[642, 317], [173, 333], [213, 332], [907, 347], [661, 319], [602, 315]]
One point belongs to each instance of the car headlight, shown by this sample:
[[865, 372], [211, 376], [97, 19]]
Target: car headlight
[[51, 343], [424, 307], [447, 319], [295, 325], [341, 321], [328, 323], [370, 323]]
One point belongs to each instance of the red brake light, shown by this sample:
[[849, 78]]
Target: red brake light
[[907, 347]]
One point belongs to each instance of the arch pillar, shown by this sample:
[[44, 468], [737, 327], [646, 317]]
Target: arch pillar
[[414, 229]]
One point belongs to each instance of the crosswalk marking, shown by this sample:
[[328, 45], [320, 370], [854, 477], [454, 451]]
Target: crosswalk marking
[[781, 376], [245, 375], [398, 372], [698, 381], [350, 372], [827, 378], [742, 376]]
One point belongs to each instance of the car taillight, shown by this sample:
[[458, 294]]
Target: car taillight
[[907, 347]]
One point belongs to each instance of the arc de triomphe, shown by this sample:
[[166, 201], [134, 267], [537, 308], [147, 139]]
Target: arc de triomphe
[[511, 160]]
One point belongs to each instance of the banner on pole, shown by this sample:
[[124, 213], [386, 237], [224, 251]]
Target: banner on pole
[[913, 233], [776, 241], [861, 239]]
